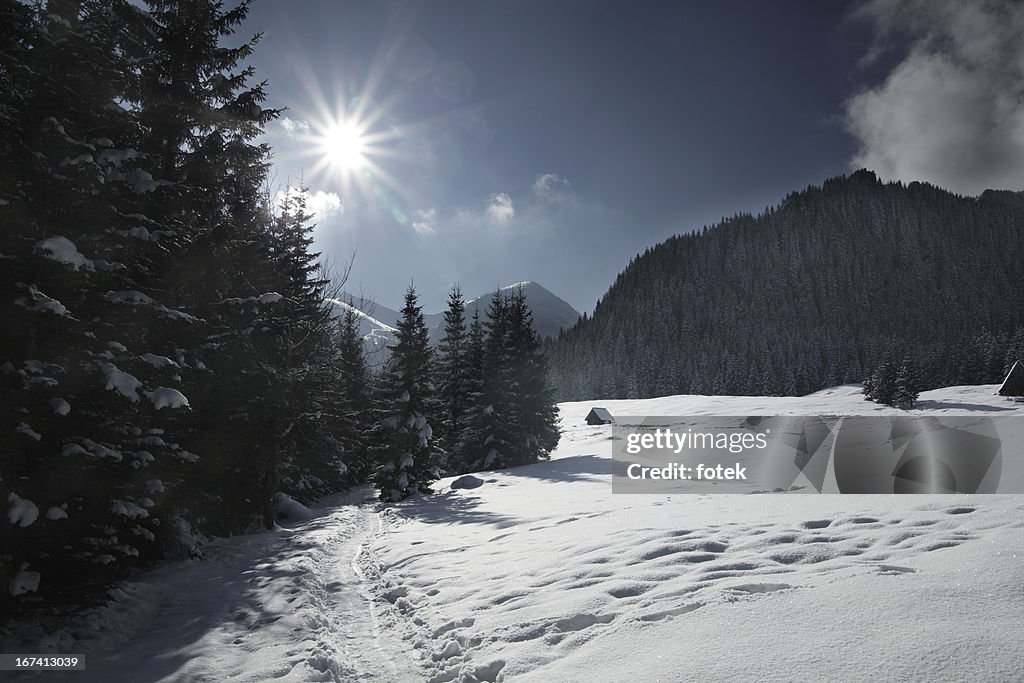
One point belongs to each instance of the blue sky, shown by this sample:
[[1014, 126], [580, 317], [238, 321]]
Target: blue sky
[[488, 142]]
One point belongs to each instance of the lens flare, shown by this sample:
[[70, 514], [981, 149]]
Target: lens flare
[[344, 146]]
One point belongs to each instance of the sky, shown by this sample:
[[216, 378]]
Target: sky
[[486, 142]]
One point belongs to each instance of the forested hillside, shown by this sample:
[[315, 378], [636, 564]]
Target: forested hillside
[[166, 359], [171, 366], [810, 294]]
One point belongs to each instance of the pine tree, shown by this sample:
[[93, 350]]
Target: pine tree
[[452, 369], [311, 447], [88, 355], [354, 397], [407, 456], [881, 386], [533, 414], [463, 454], [167, 361], [488, 442], [512, 417], [905, 389]]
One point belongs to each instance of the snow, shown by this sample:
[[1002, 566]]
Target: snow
[[128, 509], [115, 157], [72, 449], [289, 509], [130, 297], [377, 324], [90, 447], [24, 581], [61, 249], [21, 511], [158, 361], [267, 298], [26, 429], [139, 232], [56, 513], [140, 180], [120, 381], [37, 301], [165, 397], [541, 573]]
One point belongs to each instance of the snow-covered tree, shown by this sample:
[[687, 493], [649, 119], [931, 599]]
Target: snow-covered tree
[[166, 357], [407, 457], [91, 407]]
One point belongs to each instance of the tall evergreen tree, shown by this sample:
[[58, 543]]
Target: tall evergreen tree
[[534, 414], [354, 397], [166, 359], [488, 438], [310, 446], [404, 449], [512, 417], [453, 370], [880, 387], [463, 454], [89, 356]]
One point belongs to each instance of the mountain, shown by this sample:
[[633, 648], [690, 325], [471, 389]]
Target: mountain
[[808, 294], [376, 335], [377, 323], [550, 313]]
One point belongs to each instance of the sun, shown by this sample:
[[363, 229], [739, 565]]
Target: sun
[[344, 146]]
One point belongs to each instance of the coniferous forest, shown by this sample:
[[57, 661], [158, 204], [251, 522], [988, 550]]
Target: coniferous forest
[[812, 293], [169, 366]]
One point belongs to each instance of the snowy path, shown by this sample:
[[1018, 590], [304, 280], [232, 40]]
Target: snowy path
[[294, 604]]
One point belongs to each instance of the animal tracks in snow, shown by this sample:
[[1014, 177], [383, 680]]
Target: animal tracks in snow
[[634, 578]]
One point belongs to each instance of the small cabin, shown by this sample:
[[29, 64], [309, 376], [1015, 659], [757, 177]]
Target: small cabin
[[1013, 385], [599, 416]]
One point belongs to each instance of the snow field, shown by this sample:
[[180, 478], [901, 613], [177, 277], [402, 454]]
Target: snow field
[[540, 573], [543, 574]]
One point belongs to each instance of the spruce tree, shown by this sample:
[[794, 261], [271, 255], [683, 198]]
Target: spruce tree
[[354, 397], [89, 356], [489, 437], [463, 454], [407, 457], [453, 369], [881, 386], [905, 384], [533, 414], [311, 445]]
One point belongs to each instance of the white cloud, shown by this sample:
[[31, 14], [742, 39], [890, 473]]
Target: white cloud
[[292, 126], [951, 111], [424, 223], [550, 187], [500, 209], [321, 204]]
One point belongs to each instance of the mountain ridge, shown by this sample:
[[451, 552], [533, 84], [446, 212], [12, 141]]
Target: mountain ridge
[[551, 314], [807, 294]]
